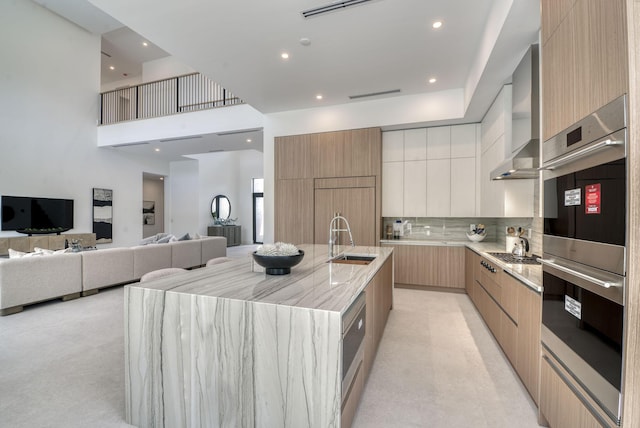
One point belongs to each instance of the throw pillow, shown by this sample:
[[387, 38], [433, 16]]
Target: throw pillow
[[14, 254], [43, 251], [196, 236], [149, 240], [165, 240], [184, 237]]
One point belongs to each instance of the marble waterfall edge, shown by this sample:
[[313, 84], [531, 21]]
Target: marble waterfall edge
[[234, 363]]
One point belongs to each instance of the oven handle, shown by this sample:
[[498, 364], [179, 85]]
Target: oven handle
[[589, 278], [581, 153]]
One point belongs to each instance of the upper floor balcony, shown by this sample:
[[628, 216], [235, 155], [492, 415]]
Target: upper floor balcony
[[181, 94]]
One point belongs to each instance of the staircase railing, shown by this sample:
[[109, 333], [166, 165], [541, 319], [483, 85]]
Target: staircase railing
[[181, 94]]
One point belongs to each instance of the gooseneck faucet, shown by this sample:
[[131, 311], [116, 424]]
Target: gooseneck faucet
[[333, 236]]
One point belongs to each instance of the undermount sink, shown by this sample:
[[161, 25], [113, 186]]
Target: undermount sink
[[352, 259]]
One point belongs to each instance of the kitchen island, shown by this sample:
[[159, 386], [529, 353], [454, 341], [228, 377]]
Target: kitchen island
[[228, 345]]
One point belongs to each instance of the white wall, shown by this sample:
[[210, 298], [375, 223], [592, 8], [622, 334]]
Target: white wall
[[183, 185], [50, 81], [164, 68], [229, 174]]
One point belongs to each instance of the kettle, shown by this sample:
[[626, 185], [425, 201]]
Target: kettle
[[520, 249]]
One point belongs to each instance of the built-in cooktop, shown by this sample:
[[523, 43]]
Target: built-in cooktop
[[511, 259]]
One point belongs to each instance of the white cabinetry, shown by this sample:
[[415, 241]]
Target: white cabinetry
[[415, 189], [393, 146], [501, 198], [415, 144], [439, 188], [463, 189], [431, 172], [439, 142], [392, 189]]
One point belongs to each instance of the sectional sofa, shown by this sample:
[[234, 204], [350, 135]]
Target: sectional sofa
[[28, 280]]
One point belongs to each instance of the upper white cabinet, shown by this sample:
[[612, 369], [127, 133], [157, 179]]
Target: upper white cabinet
[[464, 140], [439, 142], [415, 189], [415, 144], [435, 175], [393, 146], [463, 188], [392, 189], [439, 188]]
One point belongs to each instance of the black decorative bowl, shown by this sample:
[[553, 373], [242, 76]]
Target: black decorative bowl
[[278, 265]]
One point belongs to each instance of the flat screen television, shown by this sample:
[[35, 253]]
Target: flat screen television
[[36, 215]]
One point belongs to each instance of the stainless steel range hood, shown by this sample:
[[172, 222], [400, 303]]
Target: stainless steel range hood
[[523, 165], [525, 121]]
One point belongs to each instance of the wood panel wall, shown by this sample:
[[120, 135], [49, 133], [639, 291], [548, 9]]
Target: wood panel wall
[[631, 388]]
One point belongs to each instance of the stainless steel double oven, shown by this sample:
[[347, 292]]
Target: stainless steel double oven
[[584, 252]]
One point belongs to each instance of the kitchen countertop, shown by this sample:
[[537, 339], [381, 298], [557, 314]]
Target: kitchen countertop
[[312, 284], [530, 275]]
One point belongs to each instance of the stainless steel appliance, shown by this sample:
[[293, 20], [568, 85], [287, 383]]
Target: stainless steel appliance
[[353, 331], [584, 258]]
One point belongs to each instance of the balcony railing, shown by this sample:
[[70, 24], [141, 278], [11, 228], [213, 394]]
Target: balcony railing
[[188, 93]]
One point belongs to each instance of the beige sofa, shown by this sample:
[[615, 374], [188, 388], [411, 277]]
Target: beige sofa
[[35, 279], [28, 280]]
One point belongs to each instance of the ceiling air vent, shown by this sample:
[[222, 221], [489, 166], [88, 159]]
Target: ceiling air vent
[[332, 7], [374, 94]]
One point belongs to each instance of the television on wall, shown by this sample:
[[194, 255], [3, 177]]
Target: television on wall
[[36, 215]]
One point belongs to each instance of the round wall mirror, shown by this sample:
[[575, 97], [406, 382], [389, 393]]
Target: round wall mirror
[[221, 207]]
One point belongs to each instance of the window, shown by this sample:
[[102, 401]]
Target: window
[[257, 185]]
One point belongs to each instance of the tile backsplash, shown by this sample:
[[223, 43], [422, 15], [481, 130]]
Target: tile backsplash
[[455, 229]]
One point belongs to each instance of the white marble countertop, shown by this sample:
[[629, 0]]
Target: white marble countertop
[[432, 242], [530, 275], [313, 284]]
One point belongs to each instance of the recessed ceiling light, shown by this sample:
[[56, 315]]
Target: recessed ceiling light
[[432, 80], [161, 178], [319, 97], [305, 41], [111, 67], [284, 55], [437, 24], [248, 140], [145, 44], [157, 149]]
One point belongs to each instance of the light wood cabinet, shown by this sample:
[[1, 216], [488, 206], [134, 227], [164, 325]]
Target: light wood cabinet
[[428, 266], [379, 299], [356, 204], [294, 211], [470, 261], [584, 59], [293, 156], [301, 160], [351, 153], [508, 337], [559, 405], [513, 313], [529, 322]]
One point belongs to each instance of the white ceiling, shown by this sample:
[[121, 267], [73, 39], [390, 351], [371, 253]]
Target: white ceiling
[[377, 46]]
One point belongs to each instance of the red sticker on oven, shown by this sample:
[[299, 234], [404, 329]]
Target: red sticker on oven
[[592, 199]]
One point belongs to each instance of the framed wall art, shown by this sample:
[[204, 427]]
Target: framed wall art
[[103, 215]]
